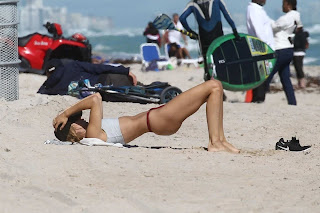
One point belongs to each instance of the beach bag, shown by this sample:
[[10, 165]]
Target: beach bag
[[116, 80]]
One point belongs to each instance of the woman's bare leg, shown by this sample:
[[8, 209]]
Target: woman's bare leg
[[186, 53], [168, 119], [221, 132], [214, 111], [179, 54]]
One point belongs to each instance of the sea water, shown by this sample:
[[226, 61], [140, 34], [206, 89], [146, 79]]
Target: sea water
[[126, 44]]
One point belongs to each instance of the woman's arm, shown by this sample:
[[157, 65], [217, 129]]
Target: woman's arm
[[133, 78], [92, 102], [165, 37], [283, 23]]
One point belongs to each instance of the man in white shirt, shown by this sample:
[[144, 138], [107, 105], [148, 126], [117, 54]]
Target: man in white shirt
[[259, 25], [173, 38]]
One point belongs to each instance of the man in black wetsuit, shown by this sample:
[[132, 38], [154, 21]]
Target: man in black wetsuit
[[208, 16]]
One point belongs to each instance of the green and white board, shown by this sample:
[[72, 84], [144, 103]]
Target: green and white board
[[240, 65]]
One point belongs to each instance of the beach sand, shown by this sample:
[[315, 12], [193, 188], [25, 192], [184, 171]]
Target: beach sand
[[162, 173]]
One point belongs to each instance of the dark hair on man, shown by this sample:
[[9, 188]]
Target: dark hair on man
[[293, 4], [260, 2]]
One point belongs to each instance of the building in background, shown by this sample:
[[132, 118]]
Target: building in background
[[33, 14], [36, 3]]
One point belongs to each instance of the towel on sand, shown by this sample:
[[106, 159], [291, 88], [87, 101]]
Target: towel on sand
[[85, 141]]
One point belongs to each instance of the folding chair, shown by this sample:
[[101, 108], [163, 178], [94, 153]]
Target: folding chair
[[151, 52], [195, 62]]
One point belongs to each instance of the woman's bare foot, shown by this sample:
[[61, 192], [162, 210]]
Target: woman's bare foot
[[302, 83], [217, 147], [231, 147], [221, 147]]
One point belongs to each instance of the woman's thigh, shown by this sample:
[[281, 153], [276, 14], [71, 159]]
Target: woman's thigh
[[168, 119], [284, 68], [284, 57]]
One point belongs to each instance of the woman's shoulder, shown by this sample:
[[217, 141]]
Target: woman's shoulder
[[294, 13]]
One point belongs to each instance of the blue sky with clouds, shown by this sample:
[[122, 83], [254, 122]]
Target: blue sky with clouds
[[135, 13]]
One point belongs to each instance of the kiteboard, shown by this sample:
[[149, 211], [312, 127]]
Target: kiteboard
[[240, 64], [164, 22]]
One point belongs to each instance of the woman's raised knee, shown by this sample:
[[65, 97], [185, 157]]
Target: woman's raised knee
[[215, 85], [96, 98]]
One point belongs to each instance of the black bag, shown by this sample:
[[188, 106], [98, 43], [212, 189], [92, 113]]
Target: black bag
[[116, 80]]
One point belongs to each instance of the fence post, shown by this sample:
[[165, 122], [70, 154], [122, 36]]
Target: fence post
[[9, 58]]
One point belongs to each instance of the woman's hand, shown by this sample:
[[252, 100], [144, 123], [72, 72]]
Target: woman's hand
[[60, 119], [134, 78]]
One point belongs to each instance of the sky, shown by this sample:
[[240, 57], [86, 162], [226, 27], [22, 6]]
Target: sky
[[136, 13]]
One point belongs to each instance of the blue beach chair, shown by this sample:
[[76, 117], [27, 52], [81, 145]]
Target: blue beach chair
[[150, 52]]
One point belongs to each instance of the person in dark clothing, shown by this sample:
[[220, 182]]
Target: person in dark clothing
[[208, 16], [152, 34], [300, 45], [282, 29], [61, 72]]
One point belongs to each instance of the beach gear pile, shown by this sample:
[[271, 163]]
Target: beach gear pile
[[156, 92]]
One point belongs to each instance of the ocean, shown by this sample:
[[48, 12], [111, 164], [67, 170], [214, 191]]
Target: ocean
[[125, 43]]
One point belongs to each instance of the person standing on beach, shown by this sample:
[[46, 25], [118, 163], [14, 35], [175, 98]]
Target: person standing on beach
[[259, 25], [283, 28], [208, 16], [300, 45]]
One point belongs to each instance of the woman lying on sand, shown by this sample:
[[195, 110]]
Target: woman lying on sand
[[163, 120]]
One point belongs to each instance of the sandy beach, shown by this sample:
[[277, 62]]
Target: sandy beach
[[162, 173]]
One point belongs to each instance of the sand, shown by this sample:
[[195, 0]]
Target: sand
[[162, 173]]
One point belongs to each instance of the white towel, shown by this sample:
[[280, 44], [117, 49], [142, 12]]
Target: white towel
[[86, 142], [98, 142]]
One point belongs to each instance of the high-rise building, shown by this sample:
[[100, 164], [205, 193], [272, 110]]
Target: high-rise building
[[35, 3], [33, 14]]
